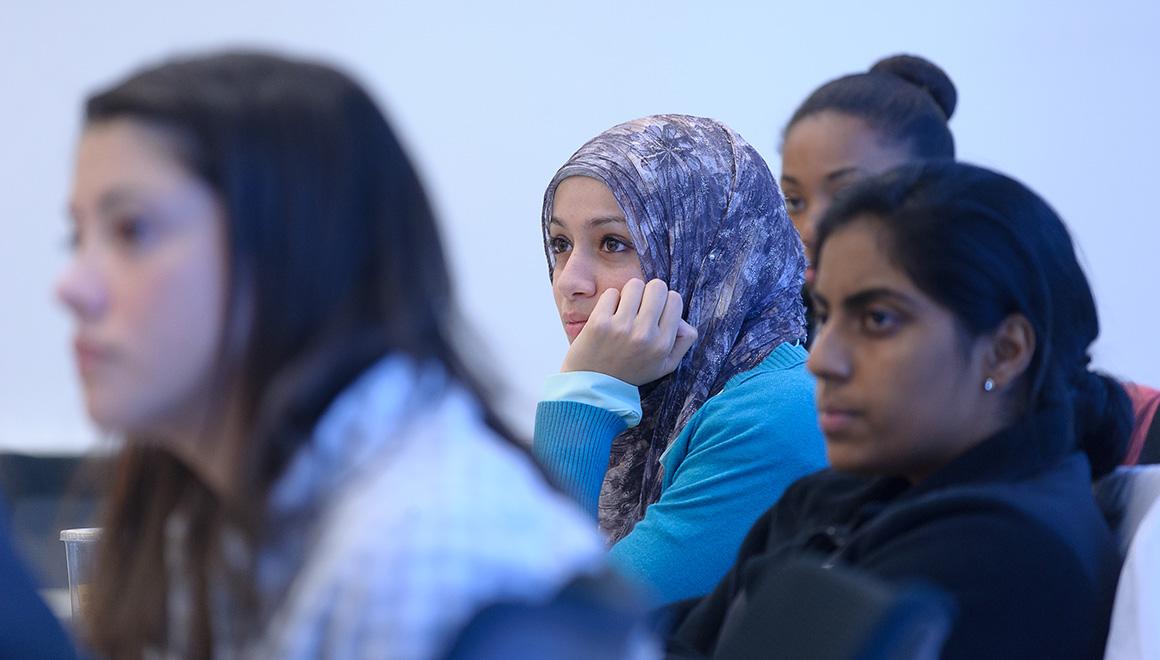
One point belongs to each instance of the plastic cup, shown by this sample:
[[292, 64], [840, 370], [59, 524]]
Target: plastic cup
[[79, 552]]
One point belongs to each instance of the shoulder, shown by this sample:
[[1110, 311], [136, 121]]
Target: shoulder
[[453, 518], [468, 493], [1020, 587], [778, 386], [997, 531], [458, 497], [764, 408]]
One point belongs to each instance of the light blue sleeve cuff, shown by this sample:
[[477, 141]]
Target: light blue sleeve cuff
[[596, 389]]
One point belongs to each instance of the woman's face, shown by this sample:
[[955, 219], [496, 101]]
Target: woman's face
[[824, 153], [588, 235], [146, 283], [899, 386]]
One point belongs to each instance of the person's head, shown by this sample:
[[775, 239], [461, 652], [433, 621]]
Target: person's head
[[951, 306], [676, 198], [250, 236], [863, 124], [592, 247], [685, 200], [236, 216]]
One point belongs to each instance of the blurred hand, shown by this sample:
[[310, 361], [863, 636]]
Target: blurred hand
[[636, 334]]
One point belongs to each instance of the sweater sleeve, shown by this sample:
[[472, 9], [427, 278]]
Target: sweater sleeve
[[572, 441], [744, 449], [596, 389]]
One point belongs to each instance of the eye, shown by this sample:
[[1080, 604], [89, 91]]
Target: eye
[[820, 314], [614, 244], [819, 322], [132, 232], [794, 204], [880, 321], [558, 245]]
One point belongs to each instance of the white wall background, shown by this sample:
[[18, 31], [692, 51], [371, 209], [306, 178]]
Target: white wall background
[[492, 96]]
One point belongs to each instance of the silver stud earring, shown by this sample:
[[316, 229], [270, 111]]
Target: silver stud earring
[[988, 385]]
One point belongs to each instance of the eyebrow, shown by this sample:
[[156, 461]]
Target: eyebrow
[[595, 222], [117, 197], [838, 174], [106, 204], [865, 297]]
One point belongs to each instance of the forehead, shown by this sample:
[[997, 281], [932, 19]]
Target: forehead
[[125, 153], [830, 140], [857, 257], [580, 198], [578, 193]]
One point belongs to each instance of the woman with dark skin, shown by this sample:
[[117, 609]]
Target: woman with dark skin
[[962, 422], [860, 125], [863, 124]]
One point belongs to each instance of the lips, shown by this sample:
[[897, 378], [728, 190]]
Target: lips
[[573, 324], [835, 422], [573, 328], [90, 355], [836, 419]]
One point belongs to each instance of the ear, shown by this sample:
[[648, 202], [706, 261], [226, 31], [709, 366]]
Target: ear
[[1011, 346]]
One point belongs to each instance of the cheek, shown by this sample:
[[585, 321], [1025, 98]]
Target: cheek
[[800, 222], [558, 294], [182, 302], [616, 278], [890, 394], [914, 406], [174, 318]]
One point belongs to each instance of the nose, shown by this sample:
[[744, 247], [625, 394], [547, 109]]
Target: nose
[[575, 275], [80, 288], [809, 226], [829, 358]]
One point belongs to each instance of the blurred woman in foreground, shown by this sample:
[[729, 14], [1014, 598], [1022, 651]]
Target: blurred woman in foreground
[[262, 308]]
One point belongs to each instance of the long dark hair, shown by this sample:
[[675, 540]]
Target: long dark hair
[[984, 246], [334, 261], [904, 98]]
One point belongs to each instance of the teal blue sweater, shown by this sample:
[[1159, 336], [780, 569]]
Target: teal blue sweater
[[729, 464]]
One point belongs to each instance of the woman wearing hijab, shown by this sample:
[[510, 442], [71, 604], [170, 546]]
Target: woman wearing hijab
[[683, 407]]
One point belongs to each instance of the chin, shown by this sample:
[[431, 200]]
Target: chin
[[113, 416], [842, 459]]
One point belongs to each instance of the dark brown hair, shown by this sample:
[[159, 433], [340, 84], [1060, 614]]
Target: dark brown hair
[[334, 256]]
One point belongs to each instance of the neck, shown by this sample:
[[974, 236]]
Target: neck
[[209, 445], [984, 428]]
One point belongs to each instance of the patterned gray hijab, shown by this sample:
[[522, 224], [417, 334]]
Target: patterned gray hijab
[[705, 216]]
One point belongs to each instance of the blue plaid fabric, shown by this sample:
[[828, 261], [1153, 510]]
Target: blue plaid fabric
[[403, 518]]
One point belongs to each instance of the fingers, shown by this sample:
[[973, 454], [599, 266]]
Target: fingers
[[671, 316], [630, 298], [686, 336], [605, 306], [636, 334], [653, 303]]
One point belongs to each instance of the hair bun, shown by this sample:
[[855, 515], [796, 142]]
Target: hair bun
[[1103, 420], [922, 73]]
